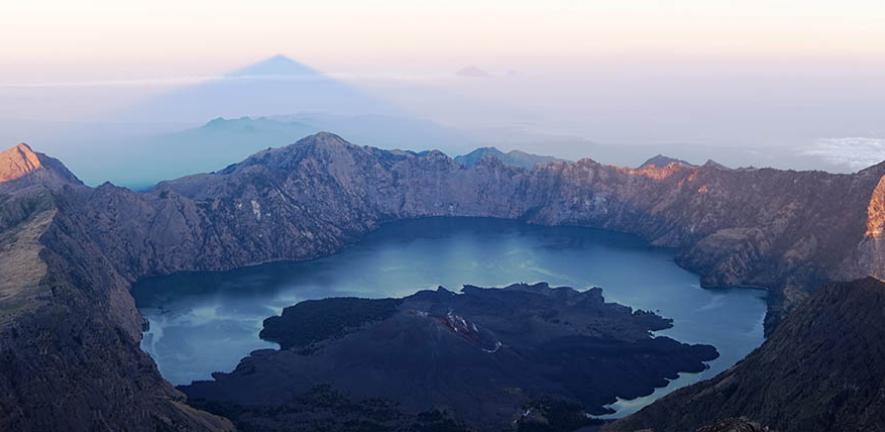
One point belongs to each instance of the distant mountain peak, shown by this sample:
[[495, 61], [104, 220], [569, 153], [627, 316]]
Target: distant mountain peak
[[514, 158], [710, 163], [660, 161], [324, 137], [278, 65]]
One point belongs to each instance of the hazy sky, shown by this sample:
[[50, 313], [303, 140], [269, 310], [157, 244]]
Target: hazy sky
[[707, 72], [105, 38]]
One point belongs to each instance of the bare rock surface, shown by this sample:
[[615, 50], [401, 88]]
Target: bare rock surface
[[69, 330]]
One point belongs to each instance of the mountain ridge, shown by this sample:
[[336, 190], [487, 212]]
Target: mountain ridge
[[514, 158], [660, 161], [786, 231]]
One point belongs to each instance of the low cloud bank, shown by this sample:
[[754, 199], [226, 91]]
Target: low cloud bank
[[852, 152]]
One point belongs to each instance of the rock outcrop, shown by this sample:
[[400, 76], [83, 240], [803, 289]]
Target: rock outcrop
[[20, 166], [68, 323], [821, 370], [18, 162]]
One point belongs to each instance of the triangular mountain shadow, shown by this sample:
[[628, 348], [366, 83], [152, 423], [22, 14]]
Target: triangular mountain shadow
[[278, 65], [277, 85]]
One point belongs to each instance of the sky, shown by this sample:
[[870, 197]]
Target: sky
[[699, 72], [77, 40]]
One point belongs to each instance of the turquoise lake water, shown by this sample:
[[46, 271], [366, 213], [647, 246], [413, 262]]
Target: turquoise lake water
[[207, 321]]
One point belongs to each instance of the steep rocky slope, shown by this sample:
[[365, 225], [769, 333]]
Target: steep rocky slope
[[20, 166], [72, 251], [69, 357], [821, 370]]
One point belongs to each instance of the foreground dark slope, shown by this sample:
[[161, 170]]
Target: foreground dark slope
[[69, 331], [821, 370]]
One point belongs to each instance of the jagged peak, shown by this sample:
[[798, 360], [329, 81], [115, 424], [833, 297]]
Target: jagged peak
[[18, 161], [21, 160], [660, 161], [24, 147], [317, 143], [710, 163]]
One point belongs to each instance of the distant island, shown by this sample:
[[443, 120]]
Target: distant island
[[483, 358]]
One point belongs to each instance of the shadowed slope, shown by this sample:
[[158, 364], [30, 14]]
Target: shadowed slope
[[69, 331], [821, 370]]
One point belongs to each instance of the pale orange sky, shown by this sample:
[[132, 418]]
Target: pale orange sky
[[63, 40]]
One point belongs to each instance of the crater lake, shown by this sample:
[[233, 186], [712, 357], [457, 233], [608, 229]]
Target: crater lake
[[202, 322]]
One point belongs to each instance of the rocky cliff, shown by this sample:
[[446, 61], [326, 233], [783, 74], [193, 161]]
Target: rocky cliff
[[69, 331], [821, 370], [756, 227], [785, 230], [68, 322]]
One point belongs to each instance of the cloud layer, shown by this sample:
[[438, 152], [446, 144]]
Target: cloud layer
[[853, 152]]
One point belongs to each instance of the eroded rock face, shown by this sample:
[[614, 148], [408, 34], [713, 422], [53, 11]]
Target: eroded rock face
[[486, 356], [756, 227], [871, 250], [20, 165], [821, 370], [18, 162], [783, 230]]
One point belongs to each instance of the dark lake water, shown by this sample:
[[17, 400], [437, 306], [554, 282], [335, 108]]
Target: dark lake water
[[206, 322]]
